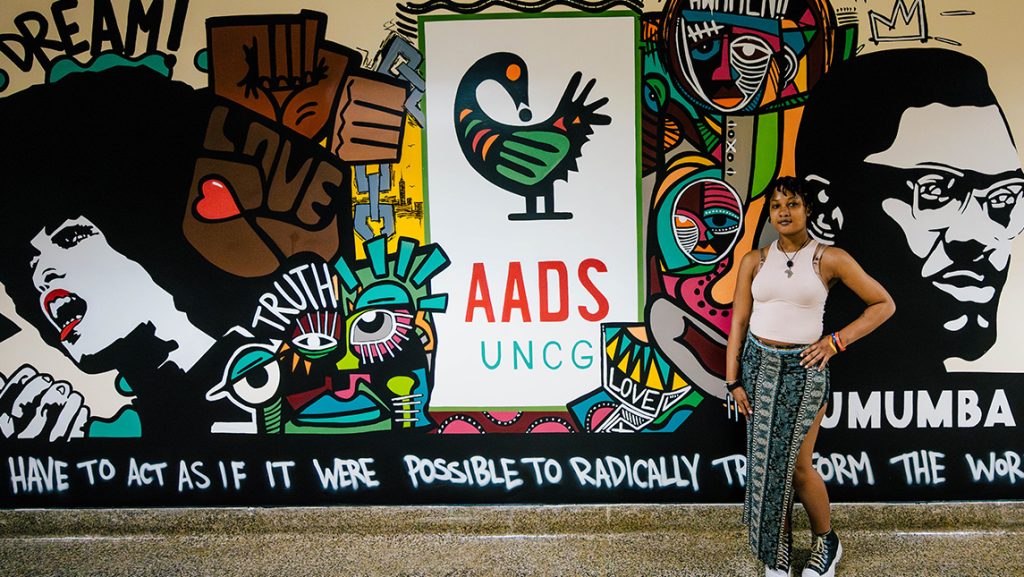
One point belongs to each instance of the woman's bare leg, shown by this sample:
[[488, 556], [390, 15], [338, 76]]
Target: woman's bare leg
[[807, 483]]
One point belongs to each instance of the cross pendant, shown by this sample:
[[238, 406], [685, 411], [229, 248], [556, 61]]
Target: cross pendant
[[789, 273]]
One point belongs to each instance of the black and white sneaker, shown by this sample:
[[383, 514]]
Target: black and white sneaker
[[784, 570], [826, 550], [776, 572]]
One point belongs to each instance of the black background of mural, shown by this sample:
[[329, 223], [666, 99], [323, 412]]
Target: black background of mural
[[389, 450]]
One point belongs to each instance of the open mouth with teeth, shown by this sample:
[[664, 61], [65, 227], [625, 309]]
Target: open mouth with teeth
[[65, 310]]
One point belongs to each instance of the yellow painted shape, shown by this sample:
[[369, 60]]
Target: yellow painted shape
[[636, 373], [401, 386], [624, 364], [653, 381], [409, 167], [678, 383], [612, 347]]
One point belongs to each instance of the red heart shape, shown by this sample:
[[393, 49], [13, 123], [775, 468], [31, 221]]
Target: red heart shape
[[216, 202]]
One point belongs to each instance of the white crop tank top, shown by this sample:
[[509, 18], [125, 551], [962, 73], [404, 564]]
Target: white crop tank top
[[788, 309]]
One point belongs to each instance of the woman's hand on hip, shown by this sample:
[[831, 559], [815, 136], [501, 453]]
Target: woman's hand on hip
[[817, 354]]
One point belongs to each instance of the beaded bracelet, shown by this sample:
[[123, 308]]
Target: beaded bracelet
[[832, 343], [836, 342]]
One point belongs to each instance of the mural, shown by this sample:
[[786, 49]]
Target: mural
[[441, 228]]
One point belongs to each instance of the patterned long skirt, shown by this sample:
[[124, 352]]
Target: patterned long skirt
[[786, 398]]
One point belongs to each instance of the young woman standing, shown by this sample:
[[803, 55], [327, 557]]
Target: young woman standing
[[777, 374]]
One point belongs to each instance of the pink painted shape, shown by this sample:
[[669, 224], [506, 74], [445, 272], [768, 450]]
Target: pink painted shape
[[503, 415], [458, 427], [808, 19], [550, 428], [599, 416]]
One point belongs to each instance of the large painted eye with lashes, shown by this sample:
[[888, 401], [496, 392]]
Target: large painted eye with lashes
[[379, 333]]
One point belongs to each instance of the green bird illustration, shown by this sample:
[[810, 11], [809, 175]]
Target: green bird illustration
[[527, 159]]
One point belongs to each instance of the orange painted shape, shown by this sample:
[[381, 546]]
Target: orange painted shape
[[466, 112], [513, 72], [722, 290], [488, 143]]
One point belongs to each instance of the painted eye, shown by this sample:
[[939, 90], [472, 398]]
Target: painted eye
[[750, 50], [379, 332], [317, 334], [687, 232], [706, 49], [721, 220], [315, 343], [255, 376], [373, 326], [654, 94], [933, 191], [1002, 203], [71, 235], [1004, 196]]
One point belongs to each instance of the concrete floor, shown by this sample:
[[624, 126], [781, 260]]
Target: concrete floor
[[642, 540]]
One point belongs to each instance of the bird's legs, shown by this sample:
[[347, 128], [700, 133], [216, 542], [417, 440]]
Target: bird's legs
[[549, 209]]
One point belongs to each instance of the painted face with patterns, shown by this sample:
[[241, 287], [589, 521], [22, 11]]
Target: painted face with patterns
[[726, 60], [697, 223], [706, 221]]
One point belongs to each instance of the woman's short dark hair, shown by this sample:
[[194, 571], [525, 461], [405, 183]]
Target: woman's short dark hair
[[792, 186]]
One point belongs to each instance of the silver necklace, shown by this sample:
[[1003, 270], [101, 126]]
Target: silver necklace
[[789, 259]]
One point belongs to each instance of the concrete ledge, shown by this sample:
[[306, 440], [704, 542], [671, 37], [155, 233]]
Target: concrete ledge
[[475, 520], [904, 539]]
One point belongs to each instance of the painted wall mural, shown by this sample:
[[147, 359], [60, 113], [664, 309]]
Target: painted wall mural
[[232, 233]]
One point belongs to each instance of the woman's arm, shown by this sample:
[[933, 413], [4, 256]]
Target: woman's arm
[[837, 264], [742, 303]]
